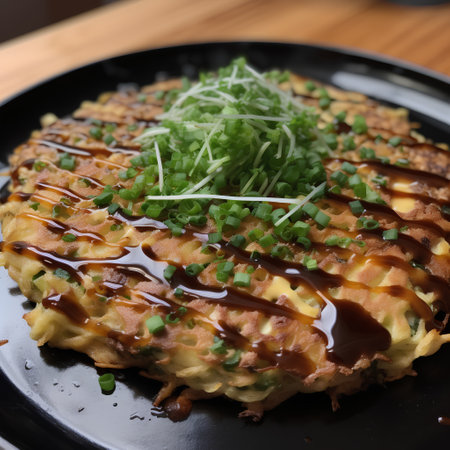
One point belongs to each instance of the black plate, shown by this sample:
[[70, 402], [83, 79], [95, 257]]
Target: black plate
[[51, 397]]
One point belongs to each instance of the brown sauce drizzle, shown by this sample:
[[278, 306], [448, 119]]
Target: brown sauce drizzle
[[320, 280], [28, 163], [420, 197], [378, 210], [83, 151], [57, 227], [420, 252], [177, 408], [20, 196], [67, 306], [351, 332], [398, 172], [66, 192], [138, 262], [444, 420]]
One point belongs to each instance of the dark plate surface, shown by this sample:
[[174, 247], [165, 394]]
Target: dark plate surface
[[51, 397]]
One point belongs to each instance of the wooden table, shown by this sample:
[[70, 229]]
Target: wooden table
[[419, 35]]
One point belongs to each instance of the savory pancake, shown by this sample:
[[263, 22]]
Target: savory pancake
[[248, 235]]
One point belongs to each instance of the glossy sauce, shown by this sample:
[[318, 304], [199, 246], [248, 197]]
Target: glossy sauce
[[349, 330], [344, 341], [398, 172]]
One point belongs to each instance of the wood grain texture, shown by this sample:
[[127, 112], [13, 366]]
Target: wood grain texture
[[420, 35]]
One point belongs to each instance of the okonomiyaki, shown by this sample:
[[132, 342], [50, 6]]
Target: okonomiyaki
[[249, 235]]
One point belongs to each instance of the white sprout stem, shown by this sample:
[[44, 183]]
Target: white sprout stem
[[160, 167], [205, 146], [300, 204], [263, 185], [194, 89], [273, 88], [152, 132], [232, 77], [289, 201], [255, 116], [261, 153], [249, 183], [321, 139], [274, 180], [280, 148], [291, 139], [205, 180], [218, 163]]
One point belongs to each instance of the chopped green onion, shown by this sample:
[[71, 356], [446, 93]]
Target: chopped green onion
[[395, 141], [38, 275], [241, 279], [304, 241], [169, 271], [263, 211], [349, 168], [219, 347], [390, 235], [359, 124], [237, 240], [35, 206], [354, 180], [110, 127], [300, 228], [113, 207], [232, 361], [67, 162], [332, 240], [194, 269], [348, 143], [214, 238], [255, 234], [61, 273], [105, 198], [310, 86], [267, 241], [233, 222], [367, 153], [310, 209], [155, 324], [179, 292], [96, 133], [107, 382], [38, 166], [356, 207], [108, 139], [171, 318], [380, 180], [226, 266], [339, 177], [69, 237], [402, 162], [310, 263], [324, 102], [340, 116], [322, 219], [368, 224]]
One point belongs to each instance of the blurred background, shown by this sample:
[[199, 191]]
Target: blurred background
[[39, 38]]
